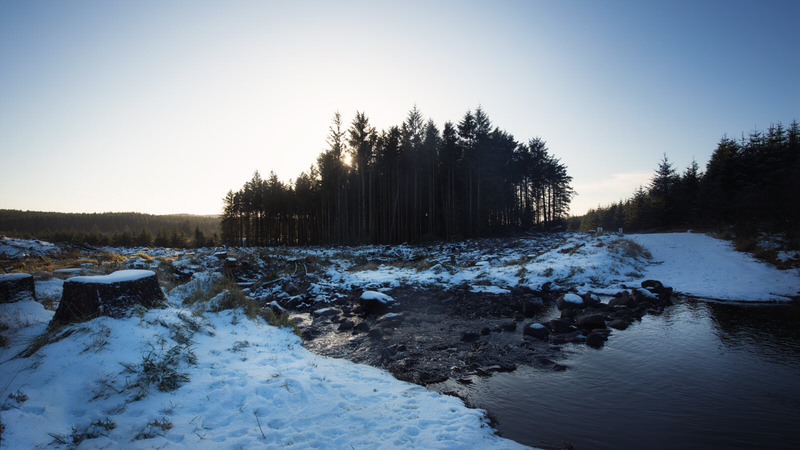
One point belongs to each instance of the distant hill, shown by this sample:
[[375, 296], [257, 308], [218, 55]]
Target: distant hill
[[127, 228]]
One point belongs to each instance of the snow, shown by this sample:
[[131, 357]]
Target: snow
[[119, 276], [21, 248], [572, 298], [379, 296], [254, 385], [248, 385], [13, 276], [23, 313], [703, 266]]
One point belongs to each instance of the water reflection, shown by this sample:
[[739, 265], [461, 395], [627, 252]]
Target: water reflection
[[770, 331], [701, 375]]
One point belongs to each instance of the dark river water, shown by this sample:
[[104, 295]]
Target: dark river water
[[702, 375]]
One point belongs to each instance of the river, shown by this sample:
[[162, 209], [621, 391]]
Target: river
[[701, 375]]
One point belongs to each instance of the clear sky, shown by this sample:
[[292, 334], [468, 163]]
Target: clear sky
[[163, 106]]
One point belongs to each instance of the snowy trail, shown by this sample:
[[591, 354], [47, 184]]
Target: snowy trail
[[703, 266]]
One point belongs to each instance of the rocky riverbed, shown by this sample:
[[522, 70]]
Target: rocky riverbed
[[431, 335]]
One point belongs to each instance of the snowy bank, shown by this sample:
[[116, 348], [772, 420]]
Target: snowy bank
[[703, 266], [168, 378]]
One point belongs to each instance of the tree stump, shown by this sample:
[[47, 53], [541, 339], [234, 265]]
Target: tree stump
[[110, 295], [16, 286]]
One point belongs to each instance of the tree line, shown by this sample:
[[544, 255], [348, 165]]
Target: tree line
[[115, 229], [750, 183], [407, 183]]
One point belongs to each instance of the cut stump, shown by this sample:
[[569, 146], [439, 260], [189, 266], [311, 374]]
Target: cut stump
[[110, 295], [16, 286]]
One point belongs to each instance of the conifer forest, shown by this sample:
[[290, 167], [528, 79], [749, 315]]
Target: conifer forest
[[407, 183]]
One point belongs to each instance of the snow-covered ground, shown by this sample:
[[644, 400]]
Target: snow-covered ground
[[14, 248], [180, 377], [700, 265]]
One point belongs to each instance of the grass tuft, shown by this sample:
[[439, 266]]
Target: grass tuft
[[629, 249]]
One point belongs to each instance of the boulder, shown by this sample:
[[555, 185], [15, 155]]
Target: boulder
[[531, 306], [16, 286], [618, 324], [590, 299], [536, 330], [622, 299], [569, 301], [111, 295], [590, 321], [653, 286], [595, 340], [372, 302], [643, 295], [560, 326], [506, 326], [346, 325], [375, 333], [470, 336]]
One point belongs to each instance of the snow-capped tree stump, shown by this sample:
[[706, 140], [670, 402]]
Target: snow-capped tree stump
[[111, 295], [16, 286]]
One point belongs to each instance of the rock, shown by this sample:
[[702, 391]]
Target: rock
[[310, 333], [111, 295], [372, 302], [653, 286], [622, 299], [325, 312], [375, 333], [568, 314], [536, 330], [506, 326], [470, 336], [16, 286], [346, 325], [291, 289], [590, 299], [566, 338], [569, 301], [485, 331], [595, 340], [276, 308], [362, 326], [618, 324], [531, 306], [560, 326], [643, 295], [294, 302], [488, 370], [390, 320], [590, 321]]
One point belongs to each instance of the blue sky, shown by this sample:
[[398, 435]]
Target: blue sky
[[162, 107]]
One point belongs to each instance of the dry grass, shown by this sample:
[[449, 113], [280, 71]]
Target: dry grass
[[629, 249]]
